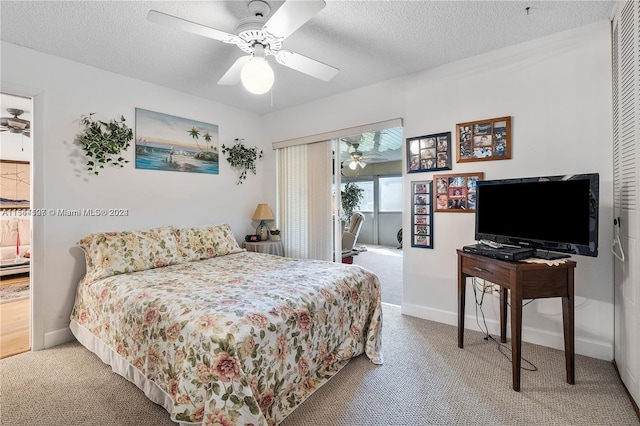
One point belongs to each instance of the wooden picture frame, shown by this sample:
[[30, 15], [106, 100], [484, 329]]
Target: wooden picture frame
[[429, 153], [422, 214], [456, 192], [484, 140]]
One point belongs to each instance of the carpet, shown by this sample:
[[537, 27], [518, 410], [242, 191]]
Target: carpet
[[14, 291], [386, 263], [425, 380]]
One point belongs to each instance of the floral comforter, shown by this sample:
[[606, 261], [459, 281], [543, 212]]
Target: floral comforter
[[237, 339]]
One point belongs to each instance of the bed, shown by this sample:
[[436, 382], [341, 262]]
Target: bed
[[218, 335]]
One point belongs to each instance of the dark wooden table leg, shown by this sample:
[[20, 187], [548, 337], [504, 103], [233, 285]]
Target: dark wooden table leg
[[503, 314], [569, 330], [462, 281], [516, 335]]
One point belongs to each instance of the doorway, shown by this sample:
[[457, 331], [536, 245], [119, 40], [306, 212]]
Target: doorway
[[372, 161], [310, 174], [15, 224]]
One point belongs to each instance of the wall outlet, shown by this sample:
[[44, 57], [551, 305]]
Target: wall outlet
[[496, 290]]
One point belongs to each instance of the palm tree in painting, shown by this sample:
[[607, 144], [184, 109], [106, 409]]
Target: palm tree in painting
[[203, 154], [207, 139]]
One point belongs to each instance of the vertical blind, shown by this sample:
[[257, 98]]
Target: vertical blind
[[304, 200]]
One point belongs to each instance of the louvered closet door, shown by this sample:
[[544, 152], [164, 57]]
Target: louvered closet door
[[626, 146]]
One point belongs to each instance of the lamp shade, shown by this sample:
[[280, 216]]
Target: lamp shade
[[263, 212]]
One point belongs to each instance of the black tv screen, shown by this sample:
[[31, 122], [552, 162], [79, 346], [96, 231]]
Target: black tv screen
[[554, 213]]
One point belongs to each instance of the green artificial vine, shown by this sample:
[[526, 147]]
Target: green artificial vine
[[103, 142], [242, 158]]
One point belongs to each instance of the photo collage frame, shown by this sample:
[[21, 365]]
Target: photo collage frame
[[422, 214], [456, 192], [429, 153], [484, 140]]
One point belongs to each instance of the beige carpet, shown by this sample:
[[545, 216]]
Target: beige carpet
[[386, 263], [426, 379]]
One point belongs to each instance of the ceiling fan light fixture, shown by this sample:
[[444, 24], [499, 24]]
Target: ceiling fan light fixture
[[259, 35], [257, 76], [353, 165]]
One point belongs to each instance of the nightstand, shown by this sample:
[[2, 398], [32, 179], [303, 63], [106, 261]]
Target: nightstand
[[270, 247]]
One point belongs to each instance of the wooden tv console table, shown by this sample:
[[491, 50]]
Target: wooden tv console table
[[524, 281]]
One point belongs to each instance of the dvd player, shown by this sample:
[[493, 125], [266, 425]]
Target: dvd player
[[509, 253]]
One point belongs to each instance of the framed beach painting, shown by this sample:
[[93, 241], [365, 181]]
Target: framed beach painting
[[170, 143]]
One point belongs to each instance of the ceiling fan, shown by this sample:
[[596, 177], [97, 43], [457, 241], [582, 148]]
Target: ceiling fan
[[15, 124], [356, 157], [260, 37]]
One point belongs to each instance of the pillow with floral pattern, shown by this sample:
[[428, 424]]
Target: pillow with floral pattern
[[206, 242], [194, 244], [113, 253]]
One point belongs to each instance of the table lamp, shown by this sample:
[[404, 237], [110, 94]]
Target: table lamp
[[263, 213]]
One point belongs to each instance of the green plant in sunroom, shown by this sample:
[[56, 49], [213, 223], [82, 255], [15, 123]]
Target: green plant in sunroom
[[103, 142], [351, 196]]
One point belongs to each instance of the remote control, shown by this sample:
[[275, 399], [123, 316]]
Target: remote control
[[490, 243]]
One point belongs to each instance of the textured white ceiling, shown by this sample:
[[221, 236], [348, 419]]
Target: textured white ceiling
[[369, 41]]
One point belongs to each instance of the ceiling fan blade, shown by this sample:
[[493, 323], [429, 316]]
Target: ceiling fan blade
[[18, 123], [232, 76], [191, 27], [291, 16], [306, 65]]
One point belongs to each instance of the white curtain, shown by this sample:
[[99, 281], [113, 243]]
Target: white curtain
[[304, 200]]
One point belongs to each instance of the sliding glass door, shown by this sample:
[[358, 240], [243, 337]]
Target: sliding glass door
[[310, 174]]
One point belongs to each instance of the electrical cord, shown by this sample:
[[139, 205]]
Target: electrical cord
[[487, 336]]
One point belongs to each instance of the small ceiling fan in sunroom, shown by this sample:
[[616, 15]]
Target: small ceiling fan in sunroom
[[356, 157]]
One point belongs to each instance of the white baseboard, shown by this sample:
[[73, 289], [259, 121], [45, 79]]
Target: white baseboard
[[58, 337], [583, 346]]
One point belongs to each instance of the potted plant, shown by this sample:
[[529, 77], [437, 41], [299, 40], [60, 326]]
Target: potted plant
[[242, 158], [103, 142], [351, 196]]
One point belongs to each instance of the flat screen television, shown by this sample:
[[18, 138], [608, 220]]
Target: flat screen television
[[549, 214]]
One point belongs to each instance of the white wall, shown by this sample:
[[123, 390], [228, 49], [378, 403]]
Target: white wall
[[64, 91], [14, 146], [558, 92]]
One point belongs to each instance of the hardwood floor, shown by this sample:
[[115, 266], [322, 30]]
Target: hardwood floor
[[14, 325]]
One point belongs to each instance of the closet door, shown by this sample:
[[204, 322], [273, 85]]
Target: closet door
[[626, 175]]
